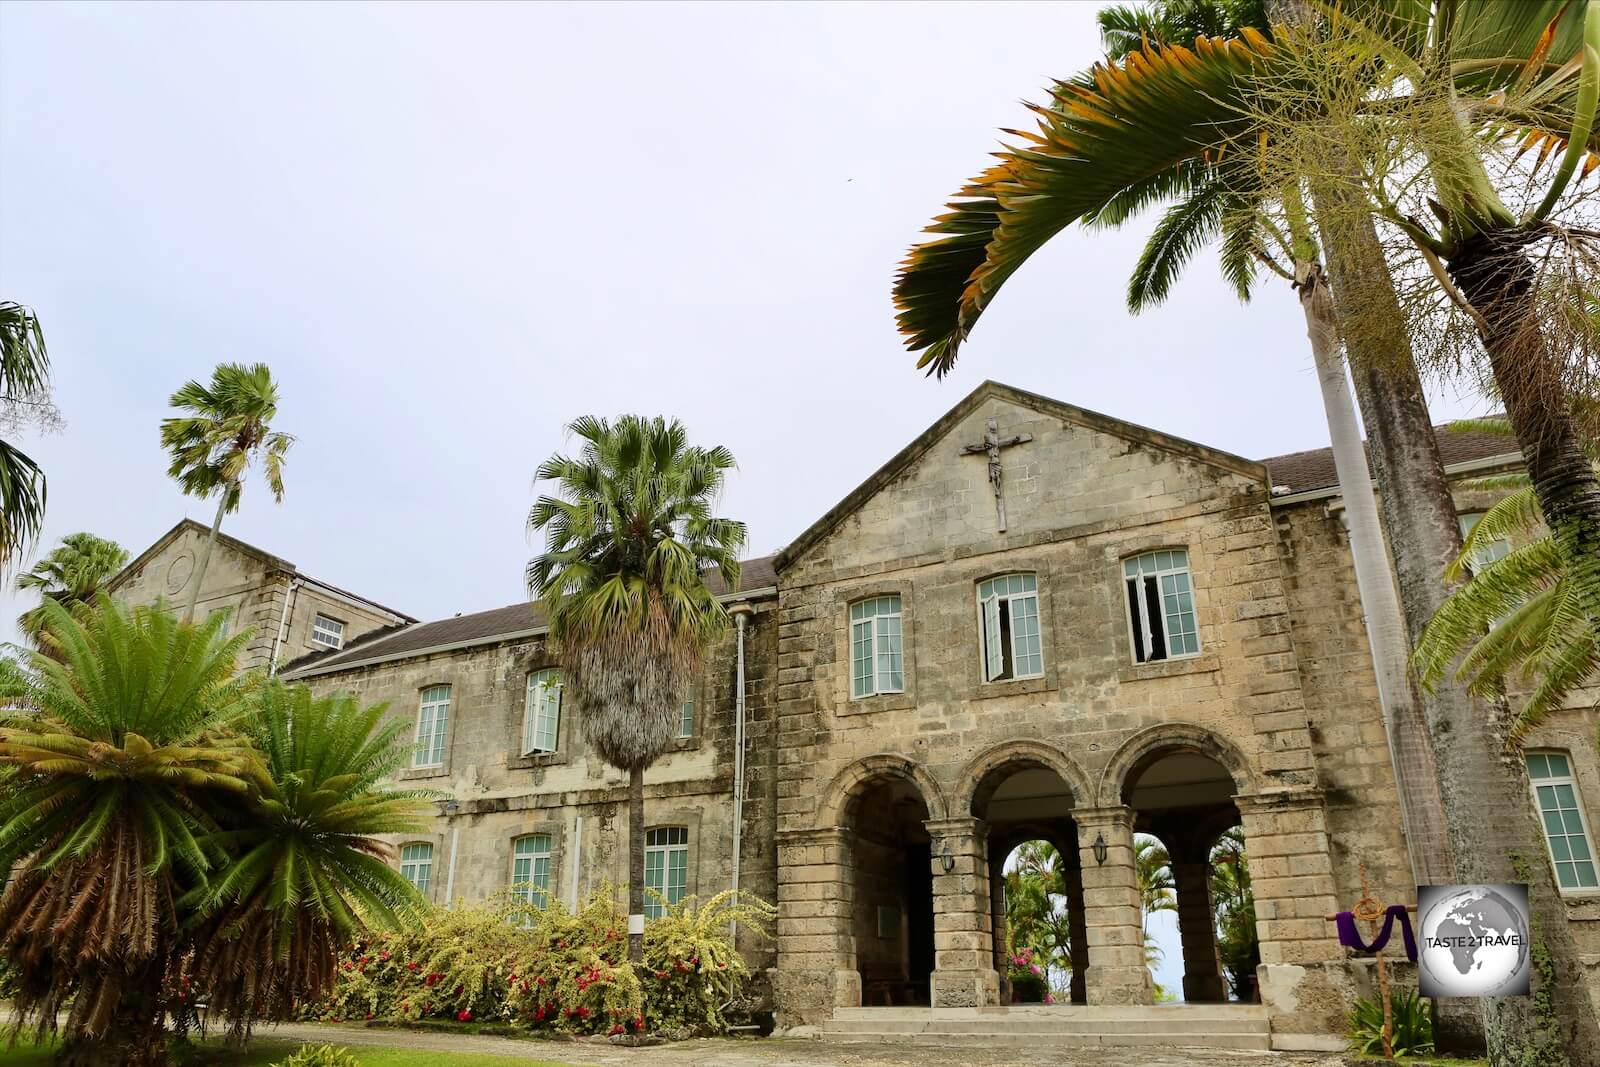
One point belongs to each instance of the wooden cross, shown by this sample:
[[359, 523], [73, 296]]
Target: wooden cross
[[990, 446]]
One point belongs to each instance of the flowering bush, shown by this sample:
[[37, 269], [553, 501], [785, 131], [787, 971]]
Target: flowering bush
[[1030, 982], [549, 968]]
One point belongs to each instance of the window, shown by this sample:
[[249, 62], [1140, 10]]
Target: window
[[877, 660], [416, 865], [1555, 792], [329, 633], [226, 615], [666, 867], [541, 715], [1499, 548], [433, 718], [1008, 613], [530, 869], [686, 714], [1160, 606]]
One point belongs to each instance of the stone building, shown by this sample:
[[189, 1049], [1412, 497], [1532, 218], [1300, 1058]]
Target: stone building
[[1034, 622], [290, 614]]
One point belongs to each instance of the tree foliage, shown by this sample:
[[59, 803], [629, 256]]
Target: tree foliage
[[24, 397], [72, 575]]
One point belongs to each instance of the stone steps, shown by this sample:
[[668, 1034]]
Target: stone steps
[[1206, 1026]]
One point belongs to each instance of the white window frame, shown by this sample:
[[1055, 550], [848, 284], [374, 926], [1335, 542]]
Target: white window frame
[[998, 660], [433, 726], [534, 888], [321, 633], [877, 626], [1159, 571], [541, 712], [1499, 548], [686, 714], [418, 865], [1570, 779], [663, 844]]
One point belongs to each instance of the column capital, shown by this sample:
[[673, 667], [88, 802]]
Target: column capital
[[1279, 800], [825, 835], [965, 826], [1120, 816]]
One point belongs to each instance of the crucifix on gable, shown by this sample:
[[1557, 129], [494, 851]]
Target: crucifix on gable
[[990, 446]]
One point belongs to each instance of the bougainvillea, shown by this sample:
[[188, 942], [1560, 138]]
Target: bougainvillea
[[545, 967]]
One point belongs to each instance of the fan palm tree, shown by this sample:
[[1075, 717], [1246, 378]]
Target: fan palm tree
[[24, 375], [72, 575], [630, 538], [1233, 905], [1515, 617], [228, 428], [117, 750], [306, 875], [1168, 107]]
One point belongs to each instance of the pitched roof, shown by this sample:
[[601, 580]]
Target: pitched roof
[[245, 548], [1023, 398], [1301, 472], [481, 627]]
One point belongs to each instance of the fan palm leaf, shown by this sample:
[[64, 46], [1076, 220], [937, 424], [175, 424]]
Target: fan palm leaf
[[24, 374]]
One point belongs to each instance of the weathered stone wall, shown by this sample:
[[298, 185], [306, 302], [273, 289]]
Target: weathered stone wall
[[570, 794], [1079, 500]]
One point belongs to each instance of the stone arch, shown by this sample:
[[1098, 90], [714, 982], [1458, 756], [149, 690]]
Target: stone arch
[[1168, 737], [848, 784], [1018, 754]]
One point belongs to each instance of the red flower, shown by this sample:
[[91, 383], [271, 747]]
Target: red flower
[[583, 1013], [413, 965], [464, 1016], [617, 1029], [638, 1023]]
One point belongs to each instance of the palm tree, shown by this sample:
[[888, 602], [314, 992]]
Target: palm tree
[[306, 875], [1112, 143], [1036, 905], [1514, 616], [24, 380], [630, 538], [228, 428], [1233, 905], [104, 826], [72, 575]]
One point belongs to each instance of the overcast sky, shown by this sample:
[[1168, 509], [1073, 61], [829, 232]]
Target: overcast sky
[[452, 229]]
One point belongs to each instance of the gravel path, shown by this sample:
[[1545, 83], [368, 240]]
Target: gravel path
[[792, 1052]]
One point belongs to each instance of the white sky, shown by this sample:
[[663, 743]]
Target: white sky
[[452, 229]]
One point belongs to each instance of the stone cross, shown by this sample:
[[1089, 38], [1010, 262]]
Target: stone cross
[[990, 446]]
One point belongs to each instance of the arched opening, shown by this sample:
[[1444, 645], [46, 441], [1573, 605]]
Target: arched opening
[[892, 916], [1182, 799], [1036, 881]]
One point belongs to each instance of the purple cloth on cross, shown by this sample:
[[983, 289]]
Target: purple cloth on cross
[[1350, 937]]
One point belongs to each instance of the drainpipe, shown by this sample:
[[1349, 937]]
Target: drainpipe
[[450, 875], [577, 858], [290, 586], [741, 612]]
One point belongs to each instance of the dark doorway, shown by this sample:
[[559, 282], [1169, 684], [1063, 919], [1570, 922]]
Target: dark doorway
[[892, 916]]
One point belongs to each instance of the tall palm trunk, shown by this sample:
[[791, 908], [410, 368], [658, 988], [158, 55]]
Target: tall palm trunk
[[636, 864], [205, 556], [1408, 749], [1420, 517]]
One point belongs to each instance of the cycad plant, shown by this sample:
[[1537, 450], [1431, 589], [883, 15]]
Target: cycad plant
[[1518, 618], [105, 825], [72, 575], [306, 875], [24, 383], [631, 535], [227, 428]]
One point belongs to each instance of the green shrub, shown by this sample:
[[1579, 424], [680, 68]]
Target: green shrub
[[547, 968], [1030, 981], [1413, 1027], [320, 1056]]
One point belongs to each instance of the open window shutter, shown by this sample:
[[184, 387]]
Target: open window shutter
[[993, 657], [530, 720], [1152, 601], [1134, 621], [555, 716]]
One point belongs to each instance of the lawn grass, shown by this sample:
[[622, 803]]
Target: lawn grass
[[263, 1053]]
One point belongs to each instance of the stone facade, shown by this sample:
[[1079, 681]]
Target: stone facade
[[880, 821], [258, 590]]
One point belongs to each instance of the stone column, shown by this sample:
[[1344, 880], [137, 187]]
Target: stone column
[[1202, 968], [816, 950], [963, 939], [1115, 933], [1073, 869], [1305, 981]]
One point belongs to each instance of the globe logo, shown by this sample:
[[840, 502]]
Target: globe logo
[[1474, 940]]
